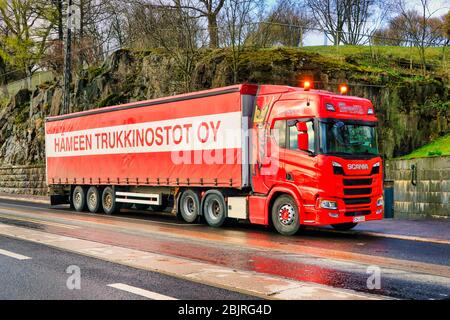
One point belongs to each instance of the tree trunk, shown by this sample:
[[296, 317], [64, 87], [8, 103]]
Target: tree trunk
[[60, 20], [213, 31]]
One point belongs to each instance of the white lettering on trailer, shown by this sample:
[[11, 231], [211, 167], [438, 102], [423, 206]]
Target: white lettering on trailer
[[209, 132]]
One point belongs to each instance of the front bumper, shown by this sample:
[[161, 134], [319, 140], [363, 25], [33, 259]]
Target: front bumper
[[345, 213]]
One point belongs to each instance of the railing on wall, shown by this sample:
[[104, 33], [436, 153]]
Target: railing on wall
[[11, 88]]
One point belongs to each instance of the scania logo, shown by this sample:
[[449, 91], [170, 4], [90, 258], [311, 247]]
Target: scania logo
[[354, 166]]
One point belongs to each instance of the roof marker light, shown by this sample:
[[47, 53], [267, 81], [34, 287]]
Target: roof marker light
[[306, 85], [343, 88]]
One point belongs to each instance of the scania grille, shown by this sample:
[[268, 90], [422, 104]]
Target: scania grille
[[353, 201], [357, 182], [357, 191], [357, 213]]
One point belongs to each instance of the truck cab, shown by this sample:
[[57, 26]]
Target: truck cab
[[316, 160]]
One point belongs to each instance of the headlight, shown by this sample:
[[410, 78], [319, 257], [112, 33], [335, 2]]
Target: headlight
[[380, 202], [337, 168], [328, 204]]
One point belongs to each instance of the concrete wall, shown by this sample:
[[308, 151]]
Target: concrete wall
[[430, 197], [23, 180]]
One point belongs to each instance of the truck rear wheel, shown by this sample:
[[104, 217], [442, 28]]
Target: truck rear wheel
[[344, 226], [189, 206], [285, 215], [93, 199], [109, 203], [214, 209], [79, 198]]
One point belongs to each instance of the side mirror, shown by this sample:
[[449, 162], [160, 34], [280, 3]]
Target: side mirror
[[303, 141], [302, 136]]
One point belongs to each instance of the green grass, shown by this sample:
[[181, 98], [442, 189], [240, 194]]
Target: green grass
[[387, 56], [439, 147]]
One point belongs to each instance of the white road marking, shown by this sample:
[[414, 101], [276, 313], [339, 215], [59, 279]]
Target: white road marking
[[13, 255], [140, 292]]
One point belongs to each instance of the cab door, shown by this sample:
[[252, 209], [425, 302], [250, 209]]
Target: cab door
[[300, 160]]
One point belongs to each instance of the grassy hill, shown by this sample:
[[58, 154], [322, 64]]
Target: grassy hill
[[406, 59], [439, 147]]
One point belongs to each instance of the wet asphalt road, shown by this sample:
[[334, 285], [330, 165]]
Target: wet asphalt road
[[44, 276], [257, 249]]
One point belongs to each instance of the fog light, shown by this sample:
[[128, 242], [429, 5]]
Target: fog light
[[328, 204], [380, 202], [333, 215], [379, 211]]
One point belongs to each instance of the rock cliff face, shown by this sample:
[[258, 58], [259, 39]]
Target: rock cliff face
[[412, 110]]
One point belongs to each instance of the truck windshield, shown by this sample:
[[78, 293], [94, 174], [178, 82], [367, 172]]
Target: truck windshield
[[348, 138]]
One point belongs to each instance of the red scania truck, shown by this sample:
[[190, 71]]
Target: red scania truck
[[263, 153]]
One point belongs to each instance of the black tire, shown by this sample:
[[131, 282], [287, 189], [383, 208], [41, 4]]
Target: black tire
[[109, 204], [344, 226], [189, 206], [93, 199], [214, 209], [285, 215], [79, 198]]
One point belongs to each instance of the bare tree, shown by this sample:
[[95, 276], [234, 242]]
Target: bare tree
[[237, 21], [289, 22], [348, 21], [330, 15], [422, 28], [209, 9], [172, 27]]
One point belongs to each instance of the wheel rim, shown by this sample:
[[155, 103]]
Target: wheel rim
[[77, 198], [286, 214], [92, 199], [108, 201], [214, 209], [189, 206]]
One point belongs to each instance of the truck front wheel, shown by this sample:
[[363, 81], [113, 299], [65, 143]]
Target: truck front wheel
[[109, 203], [79, 198], [214, 209], [285, 215]]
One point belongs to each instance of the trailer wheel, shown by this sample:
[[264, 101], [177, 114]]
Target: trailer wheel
[[215, 209], [285, 215], [93, 199], [79, 198], [189, 206], [344, 226], [109, 203]]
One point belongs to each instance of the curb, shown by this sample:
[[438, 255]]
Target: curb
[[40, 201]]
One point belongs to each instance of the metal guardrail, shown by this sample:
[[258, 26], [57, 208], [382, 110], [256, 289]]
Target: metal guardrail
[[38, 78]]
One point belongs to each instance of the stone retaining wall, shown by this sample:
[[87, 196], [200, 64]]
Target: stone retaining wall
[[23, 180], [430, 196]]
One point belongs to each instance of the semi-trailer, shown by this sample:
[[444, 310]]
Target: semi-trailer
[[268, 154]]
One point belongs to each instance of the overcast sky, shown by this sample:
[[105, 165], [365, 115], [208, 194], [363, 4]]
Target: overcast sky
[[438, 7]]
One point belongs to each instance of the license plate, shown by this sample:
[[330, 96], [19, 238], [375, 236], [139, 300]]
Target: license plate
[[359, 219]]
